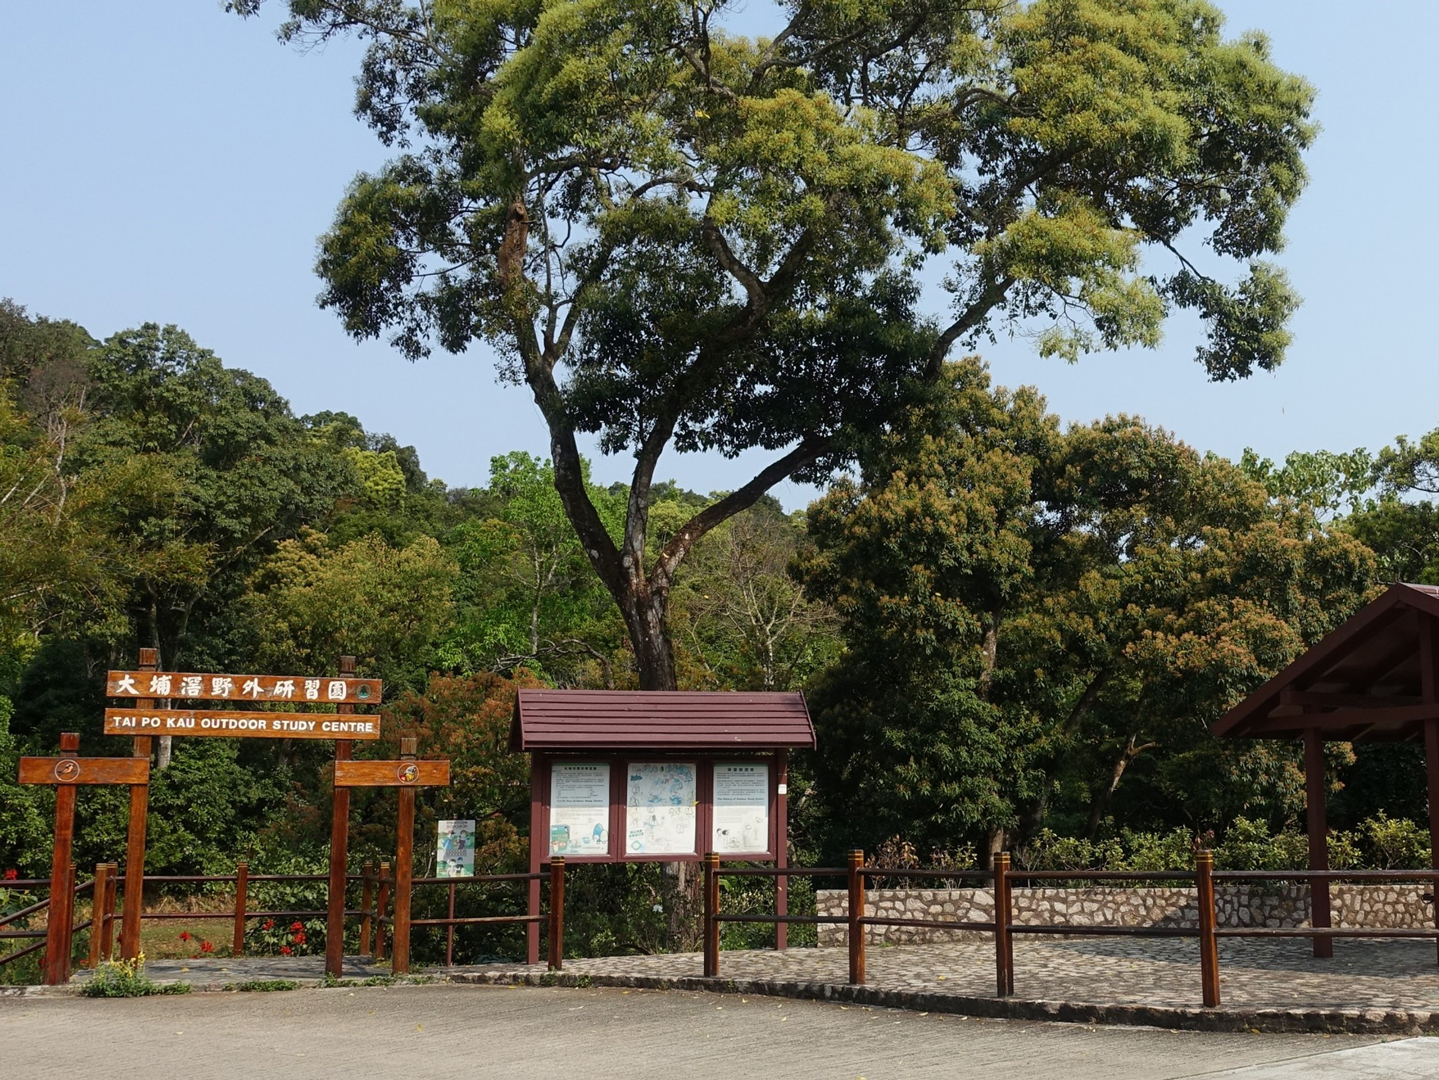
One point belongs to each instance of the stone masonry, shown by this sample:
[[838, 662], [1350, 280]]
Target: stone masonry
[[1383, 906]]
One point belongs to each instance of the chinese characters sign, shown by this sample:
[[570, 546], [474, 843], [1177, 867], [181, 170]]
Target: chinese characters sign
[[271, 725], [580, 809], [266, 688]]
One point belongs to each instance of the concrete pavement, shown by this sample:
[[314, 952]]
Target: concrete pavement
[[443, 1031]]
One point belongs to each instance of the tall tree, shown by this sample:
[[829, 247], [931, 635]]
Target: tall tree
[[679, 236]]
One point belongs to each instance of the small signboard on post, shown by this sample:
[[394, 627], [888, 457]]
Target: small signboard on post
[[455, 849]]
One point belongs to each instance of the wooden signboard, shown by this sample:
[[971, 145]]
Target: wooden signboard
[[233, 724], [407, 774], [190, 686], [392, 773], [78, 770], [67, 773]]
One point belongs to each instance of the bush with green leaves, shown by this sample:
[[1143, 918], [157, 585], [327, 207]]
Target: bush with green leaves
[[127, 978]]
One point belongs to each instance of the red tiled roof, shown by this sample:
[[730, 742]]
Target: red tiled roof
[[659, 720]]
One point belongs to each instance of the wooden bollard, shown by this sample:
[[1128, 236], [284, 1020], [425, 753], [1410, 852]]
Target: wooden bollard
[[856, 913], [367, 897], [1003, 914], [97, 914], [1208, 940], [557, 913], [381, 906], [242, 895], [711, 913]]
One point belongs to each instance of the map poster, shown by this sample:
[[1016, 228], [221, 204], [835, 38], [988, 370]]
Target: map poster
[[660, 808], [741, 808], [455, 849], [580, 808]]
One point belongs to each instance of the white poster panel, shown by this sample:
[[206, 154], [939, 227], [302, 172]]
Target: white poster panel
[[660, 808], [741, 808], [455, 849], [580, 808]]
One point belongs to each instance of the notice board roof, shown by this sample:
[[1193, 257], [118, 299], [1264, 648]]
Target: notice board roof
[[583, 720], [1362, 681]]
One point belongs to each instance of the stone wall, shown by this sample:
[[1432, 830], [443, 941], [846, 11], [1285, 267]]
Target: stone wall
[[1386, 906]]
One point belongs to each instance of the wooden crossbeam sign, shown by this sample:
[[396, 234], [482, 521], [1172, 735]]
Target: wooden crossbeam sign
[[66, 773], [266, 689], [407, 774], [237, 723]]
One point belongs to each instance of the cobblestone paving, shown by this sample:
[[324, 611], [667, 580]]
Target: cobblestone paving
[[1273, 974]]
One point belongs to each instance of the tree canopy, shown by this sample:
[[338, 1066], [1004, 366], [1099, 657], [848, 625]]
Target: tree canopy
[[681, 236]]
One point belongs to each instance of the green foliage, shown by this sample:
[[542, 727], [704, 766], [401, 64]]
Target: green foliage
[[126, 978], [1041, 625]]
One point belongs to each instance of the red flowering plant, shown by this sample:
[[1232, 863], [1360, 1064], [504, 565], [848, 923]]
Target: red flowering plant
[[267, 937]]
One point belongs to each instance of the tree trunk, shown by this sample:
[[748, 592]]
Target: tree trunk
[[649, 635]]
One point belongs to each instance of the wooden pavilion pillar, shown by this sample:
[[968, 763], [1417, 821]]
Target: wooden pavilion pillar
[[1429, 691], [1319, 909]]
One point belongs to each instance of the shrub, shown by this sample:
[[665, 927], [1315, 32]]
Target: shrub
[[127, 978], [1396, 843]]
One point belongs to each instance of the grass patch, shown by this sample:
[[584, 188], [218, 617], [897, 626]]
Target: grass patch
[[127, 978], [263, 986]]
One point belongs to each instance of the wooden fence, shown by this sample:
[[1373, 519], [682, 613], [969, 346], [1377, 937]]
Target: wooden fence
[[1004, 929]]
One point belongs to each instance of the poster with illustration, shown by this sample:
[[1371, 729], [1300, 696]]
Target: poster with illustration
[[580, 808], [660, 808], [741, 808], [455, 849]]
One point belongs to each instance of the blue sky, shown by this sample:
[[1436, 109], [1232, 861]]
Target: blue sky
[[166, 162]]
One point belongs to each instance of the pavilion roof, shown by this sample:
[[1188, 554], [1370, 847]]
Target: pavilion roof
[[684, 720], [1361, 681]]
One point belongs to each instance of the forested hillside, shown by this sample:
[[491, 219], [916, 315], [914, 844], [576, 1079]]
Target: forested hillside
[[1010, 631]]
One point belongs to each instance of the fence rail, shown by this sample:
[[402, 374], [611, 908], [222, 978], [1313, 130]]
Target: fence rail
[[1004, 929]]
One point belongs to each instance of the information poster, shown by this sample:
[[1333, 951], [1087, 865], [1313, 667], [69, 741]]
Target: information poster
[[660, 808], [741, 808], [580, 809], [455, 850]]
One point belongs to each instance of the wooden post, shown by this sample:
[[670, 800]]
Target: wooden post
[[1003, 915], [1208, 918], [1429, 691], [367, 897], [712, 908], [107, 940], [1319, 910], [539, 848], [242, 896], [856, 913], [97, 914], [404, 868], [781, 847], [450, 931], [557, 912], [135, 838], [339, 849], [381, 906], [62, 895]]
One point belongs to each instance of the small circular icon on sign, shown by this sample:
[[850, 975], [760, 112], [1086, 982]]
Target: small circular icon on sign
[[409, 773], [363, 692], [67, 770]]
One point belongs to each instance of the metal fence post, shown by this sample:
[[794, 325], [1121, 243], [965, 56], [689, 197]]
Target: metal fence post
[[856, 913], [1208, 941], [711, 912], [1003, 914], [242, 893], [557, 912]]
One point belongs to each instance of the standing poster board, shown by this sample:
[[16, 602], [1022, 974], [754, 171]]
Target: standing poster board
[[580, 808], [455, 849], [660, 808], [740, 822]]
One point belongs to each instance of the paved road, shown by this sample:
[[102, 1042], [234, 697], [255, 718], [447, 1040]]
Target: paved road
[[433, 1032]]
